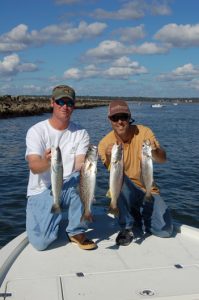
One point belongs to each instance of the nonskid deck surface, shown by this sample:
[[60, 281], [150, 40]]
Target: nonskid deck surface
[[149, 268]]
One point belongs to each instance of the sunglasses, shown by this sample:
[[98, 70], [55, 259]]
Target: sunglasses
[[121, 117], [62, 102]]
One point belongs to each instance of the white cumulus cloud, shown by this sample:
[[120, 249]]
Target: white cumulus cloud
[[186, 72], [19, 37], [135, 9], [121, 68], [11, 65], [180, 36]]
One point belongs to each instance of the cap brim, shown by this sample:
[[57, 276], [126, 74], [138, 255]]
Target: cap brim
[[64, 96], [120, 112]]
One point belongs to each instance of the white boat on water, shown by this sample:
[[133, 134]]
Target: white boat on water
[[157, 105], [149, 268]]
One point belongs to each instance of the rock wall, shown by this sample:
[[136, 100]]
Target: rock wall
[[20, 106]]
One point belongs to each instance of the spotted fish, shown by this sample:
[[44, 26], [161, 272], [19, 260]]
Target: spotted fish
[[116, 176], [56, 178], [147, 168], [88, 181]]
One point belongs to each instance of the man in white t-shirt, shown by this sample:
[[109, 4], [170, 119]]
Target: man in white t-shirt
[[42, 226]]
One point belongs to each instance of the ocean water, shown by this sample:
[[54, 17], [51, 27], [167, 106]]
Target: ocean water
[[176, 127]]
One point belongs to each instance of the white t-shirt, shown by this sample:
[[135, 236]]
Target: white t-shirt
[[72, 141]]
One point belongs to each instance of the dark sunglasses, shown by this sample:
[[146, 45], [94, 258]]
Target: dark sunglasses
[[121, 117], [62, 102]]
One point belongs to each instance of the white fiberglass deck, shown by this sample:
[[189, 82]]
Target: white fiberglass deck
[[150, 268]]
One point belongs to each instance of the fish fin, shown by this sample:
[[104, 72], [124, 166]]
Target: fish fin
[[87, 217], [108, 194], [114, 211], [148, 197], [56, 209]]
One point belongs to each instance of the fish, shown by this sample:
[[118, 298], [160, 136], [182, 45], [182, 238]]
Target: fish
[[88, 173], [116, 177], [147, 168], [56, 178]]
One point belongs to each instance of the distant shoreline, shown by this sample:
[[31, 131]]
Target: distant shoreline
[[23, 106], [19, 106]]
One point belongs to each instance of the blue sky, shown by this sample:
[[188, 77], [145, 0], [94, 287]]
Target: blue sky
[[101, 48]]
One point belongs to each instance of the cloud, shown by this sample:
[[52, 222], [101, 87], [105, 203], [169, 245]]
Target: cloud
[[186, 72], [67, 34], [73, 73], [26, 89], [150, 48], [131, 34], [15, 40], [19, 37], [194, 84], [187, 69], [129, 10], [89, 71], [133, 10], [181, 36], [160, 8], [11, 65], [110, 49], [121, 68]]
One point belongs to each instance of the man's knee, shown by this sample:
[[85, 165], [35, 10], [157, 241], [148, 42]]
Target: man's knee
[[164, 233], [40, 243]]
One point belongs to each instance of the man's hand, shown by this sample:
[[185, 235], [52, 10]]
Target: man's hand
[[38, 164], [108, 150]]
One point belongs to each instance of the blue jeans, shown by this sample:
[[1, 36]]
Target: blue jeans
[[42, 226], [153, 216]]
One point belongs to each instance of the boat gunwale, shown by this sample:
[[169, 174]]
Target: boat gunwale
[[10, 252]]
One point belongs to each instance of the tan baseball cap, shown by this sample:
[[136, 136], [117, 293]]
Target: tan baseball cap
[[63, 91], [118, 107]]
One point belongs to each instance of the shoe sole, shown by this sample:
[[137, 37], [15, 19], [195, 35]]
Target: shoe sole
[[124, 244], [84, 247]]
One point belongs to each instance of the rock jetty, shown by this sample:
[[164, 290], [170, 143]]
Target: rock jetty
[[19, 106]]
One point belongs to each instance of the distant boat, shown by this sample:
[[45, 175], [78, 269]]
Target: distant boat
[[157, 105], [175, 103]]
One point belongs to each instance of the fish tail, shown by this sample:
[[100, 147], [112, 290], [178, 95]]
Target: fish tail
[[148, 197], [87, 216], [114, 211], [56, 209]]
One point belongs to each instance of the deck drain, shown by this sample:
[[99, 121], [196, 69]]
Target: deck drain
[[178, 266], [147, 293], [80, 274]]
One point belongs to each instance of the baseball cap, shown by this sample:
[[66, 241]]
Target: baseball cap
[[118, 107], [63, 91]]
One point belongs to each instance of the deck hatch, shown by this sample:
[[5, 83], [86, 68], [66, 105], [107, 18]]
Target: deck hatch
[[147, 293]]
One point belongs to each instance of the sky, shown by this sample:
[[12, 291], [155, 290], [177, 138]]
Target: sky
[[121, 48]]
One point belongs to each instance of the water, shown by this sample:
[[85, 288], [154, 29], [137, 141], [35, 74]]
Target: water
[[176, 127]]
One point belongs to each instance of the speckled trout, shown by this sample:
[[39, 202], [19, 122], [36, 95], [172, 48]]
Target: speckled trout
[[88, 181], [147, 168], [116, 177], [56, 178]]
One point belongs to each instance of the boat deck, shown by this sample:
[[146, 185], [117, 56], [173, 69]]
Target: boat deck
[[149, 268]]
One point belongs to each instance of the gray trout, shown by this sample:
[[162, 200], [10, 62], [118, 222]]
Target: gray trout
[[56, 178], [147, 168], [88, 181], [116, 177]]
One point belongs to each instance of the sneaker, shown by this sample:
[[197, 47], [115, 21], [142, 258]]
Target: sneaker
[[124, 237], [84, 243]]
